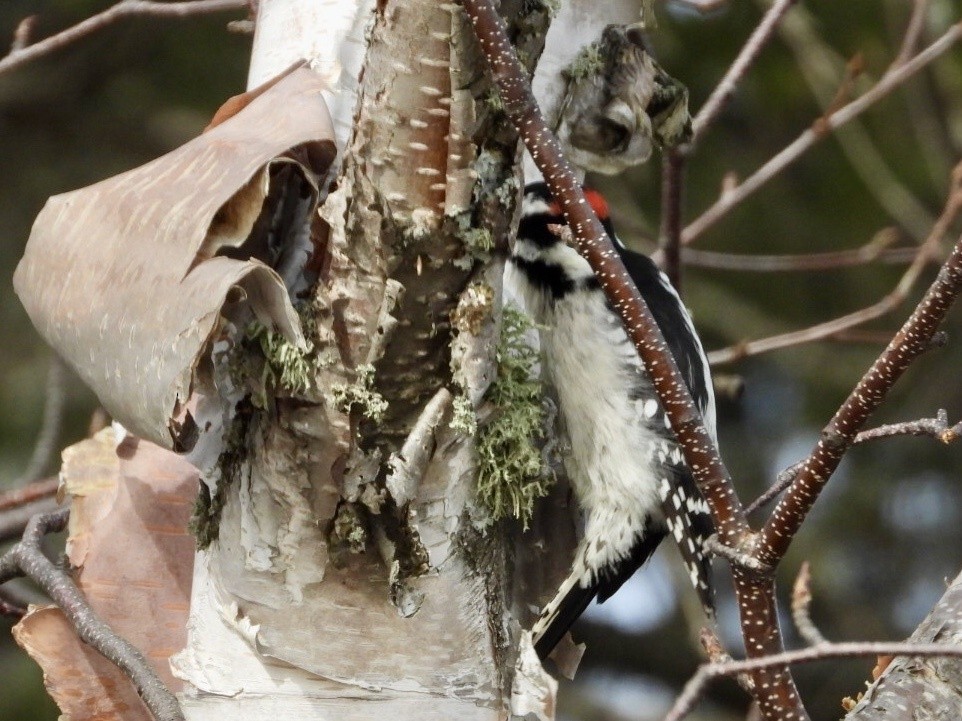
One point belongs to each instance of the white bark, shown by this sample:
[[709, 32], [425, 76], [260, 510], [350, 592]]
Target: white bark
[[283, 623], [577, 24], [330, 34]]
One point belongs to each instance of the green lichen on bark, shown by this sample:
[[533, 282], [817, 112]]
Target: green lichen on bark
[[588, 62], [511, 471], [288, 366], [463, 417], [361, 395]]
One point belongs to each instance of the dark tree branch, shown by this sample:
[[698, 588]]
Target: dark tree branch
[[756, 594], [125, 8], [693, 690], [896, 76], [26, 558], [669, 237], [910, 342]]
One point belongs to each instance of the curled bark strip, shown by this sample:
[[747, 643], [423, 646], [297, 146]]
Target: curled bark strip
[[148, 261]]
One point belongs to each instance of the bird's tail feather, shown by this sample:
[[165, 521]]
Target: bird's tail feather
[[560, 614]]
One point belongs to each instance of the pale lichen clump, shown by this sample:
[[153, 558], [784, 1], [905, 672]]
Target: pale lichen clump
[[463, 417], [287, 366], [360, 394], [588, 62], [478, 242], [512, 473], [347, 535]]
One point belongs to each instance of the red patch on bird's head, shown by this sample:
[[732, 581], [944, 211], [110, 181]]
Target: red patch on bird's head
[[598, 203]]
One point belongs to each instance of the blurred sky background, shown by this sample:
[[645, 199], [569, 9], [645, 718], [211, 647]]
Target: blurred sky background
[[885, 535]]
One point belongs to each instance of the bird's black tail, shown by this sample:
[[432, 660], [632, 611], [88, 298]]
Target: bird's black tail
[[558, 616]]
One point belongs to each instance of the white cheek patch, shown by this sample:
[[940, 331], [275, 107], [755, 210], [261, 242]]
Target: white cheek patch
[[533, 205]]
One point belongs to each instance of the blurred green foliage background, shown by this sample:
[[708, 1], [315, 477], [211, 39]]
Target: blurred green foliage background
[[888, 531]]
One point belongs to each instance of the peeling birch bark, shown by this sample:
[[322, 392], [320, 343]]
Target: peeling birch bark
[[322, 594], [577, 24], [132, 553], [329, 34], [140, 294]]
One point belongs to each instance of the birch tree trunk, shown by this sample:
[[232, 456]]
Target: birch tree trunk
[[351, 574], [921, 688]]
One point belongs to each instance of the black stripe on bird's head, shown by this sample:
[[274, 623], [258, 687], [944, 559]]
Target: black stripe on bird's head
[[540, 210]]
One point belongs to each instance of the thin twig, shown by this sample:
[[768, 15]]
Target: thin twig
[[717, 654], [802, 606], [937, 428], [871, 252], [693, 690], [913, 31], [746, 58], [23, 33], [736, 557], [669, 237], [29, 493], [125, 8], [27, 558], [892, 79], [11, 607], [818, 63], [53, 409], [673, 166], [923, 256], [13, 521]]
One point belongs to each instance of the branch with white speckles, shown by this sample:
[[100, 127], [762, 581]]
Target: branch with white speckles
[[693, 690], [593, 243], [755, 592], [910, 342], [27, 559]]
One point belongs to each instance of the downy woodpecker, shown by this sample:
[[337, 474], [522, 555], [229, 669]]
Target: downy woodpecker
[[626, 468]]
